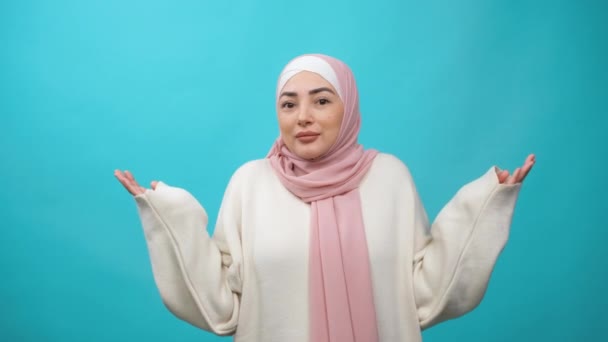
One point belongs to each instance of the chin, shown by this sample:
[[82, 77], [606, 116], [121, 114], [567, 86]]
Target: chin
[[308, 154], [307, 151]]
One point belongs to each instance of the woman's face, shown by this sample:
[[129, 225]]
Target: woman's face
[[310, 113]]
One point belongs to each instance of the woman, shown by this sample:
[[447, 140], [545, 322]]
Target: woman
[[323, 240]]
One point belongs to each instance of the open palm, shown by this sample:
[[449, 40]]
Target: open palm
[[519, 174], [128, 181]]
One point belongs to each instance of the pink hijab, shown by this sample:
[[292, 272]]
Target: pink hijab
[[341, 302]]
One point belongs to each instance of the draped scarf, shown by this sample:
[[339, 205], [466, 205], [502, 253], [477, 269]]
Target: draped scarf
[[341, 304]]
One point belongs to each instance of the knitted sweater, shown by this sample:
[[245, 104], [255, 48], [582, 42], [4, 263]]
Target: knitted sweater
[[250, 278]]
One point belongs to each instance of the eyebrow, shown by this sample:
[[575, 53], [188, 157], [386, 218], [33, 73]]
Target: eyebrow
[[312, 92]]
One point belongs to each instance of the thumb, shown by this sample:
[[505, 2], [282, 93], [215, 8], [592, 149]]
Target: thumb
[[154, 184]]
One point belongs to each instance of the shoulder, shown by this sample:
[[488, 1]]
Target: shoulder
[[246, 176], [252, 168], [389, 166], [388, 180], [257, 169], [389, 175]]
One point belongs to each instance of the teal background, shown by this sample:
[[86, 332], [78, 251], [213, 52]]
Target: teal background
[[183, 91]]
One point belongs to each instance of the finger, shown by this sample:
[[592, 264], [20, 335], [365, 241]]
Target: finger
[[503, 176], [500, 174], [122, 178], [126, 183], [527, 171], [524, 171], [154, 184], [130, 176], [133, 181], [130, 184], [514, 177], [117, 174], [527, 167]]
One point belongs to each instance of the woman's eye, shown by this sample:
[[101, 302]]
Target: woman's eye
[[287, 105], [323, 101]]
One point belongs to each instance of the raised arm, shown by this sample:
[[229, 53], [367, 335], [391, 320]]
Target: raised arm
[[199, 278], [455, 255]]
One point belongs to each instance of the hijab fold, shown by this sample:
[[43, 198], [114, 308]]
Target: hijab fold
[[341, 305]]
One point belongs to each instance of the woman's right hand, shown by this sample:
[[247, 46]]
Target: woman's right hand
[[128, 181]]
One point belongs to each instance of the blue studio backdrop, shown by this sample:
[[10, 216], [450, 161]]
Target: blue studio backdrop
[[183, 91]]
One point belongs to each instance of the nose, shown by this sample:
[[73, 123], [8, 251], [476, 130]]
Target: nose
[[304, 115]]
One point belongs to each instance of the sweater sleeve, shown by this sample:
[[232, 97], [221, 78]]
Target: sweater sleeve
[[455, 255], [199, 278]]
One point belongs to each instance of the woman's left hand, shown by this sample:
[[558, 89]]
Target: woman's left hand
[[519, 174]]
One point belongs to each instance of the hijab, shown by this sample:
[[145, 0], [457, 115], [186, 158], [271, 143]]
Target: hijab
[[341, 305]]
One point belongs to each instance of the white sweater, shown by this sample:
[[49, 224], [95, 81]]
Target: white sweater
[[251, 278]]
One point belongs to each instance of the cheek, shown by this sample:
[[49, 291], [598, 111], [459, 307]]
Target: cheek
[[332, 125], [283, 122], [334, 121], [338, 121], [285, 127]]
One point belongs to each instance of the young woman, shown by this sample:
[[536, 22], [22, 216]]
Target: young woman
[[323, 240]]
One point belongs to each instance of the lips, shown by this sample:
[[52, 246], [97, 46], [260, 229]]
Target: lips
[[307, 137], [306, 134]]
